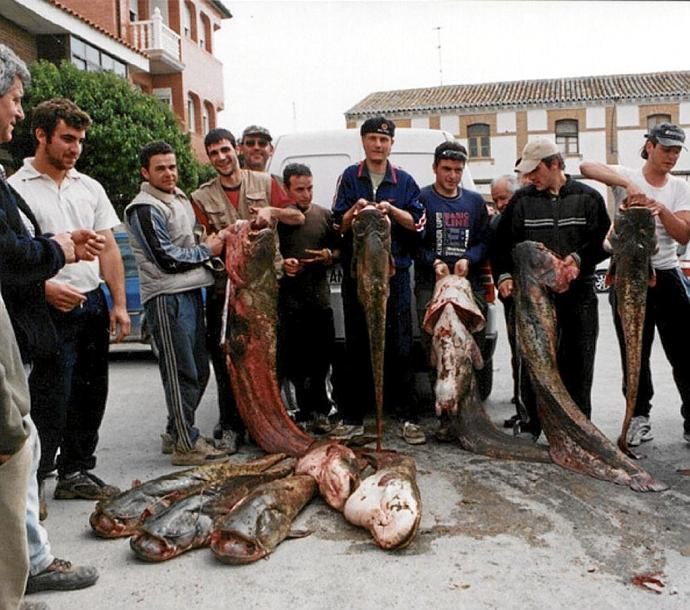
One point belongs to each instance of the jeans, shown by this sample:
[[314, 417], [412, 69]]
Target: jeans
[[668, 308], [40, 556], [398, 374], [177, 326], [69, 390]]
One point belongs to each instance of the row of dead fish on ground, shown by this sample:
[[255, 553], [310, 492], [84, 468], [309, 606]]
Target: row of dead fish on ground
[[243, 511]]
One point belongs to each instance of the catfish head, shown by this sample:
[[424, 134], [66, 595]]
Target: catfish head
[[249, 252], [541, 266], [634, 236], [371, 262]]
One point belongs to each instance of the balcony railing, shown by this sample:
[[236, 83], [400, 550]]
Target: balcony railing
[[154, 37]]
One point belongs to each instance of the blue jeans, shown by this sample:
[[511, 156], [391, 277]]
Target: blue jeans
[[69, 390], [177, 326], [40, 556]]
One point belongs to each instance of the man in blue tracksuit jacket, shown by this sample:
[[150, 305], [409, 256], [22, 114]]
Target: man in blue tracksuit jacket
[[394, 192]]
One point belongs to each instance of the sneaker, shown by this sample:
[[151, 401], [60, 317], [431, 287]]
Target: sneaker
[[217, 431], [511, 421], [344, 432], [202, 453], [25, 605], [412, 434], [228, 442], [61, 575], [167, 444], [525, 431], [640, 431], [320, 424], [42, 504], [444, 432], [83, 485]]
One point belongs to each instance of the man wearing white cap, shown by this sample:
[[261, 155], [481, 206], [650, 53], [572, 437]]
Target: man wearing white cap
[[569, 218], [668, 306]]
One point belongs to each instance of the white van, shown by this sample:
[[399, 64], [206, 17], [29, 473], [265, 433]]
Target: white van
[[328, 153]]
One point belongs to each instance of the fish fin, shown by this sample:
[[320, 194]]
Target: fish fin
[[300, 533]]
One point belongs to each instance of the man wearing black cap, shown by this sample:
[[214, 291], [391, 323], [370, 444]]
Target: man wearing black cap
[[395, 193], [569, 218], [668, 306], [455, 240]]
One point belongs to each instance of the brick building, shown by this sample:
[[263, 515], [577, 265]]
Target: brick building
[[165, 47], [599, 118]]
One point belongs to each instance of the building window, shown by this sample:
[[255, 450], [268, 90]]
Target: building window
[[88, 58], [479, 140], [133, 10], [206, 120], [567, 138], [164, 95], [656, 119], [191, 115], [205, 32], [186, 20]]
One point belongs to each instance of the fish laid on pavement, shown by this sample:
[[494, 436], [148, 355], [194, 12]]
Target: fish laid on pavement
[[121, 515], [250, 339], [335, 469], [188, 524], [371, 264], [262, 520], [388, 502], [451, 317], [575, 442], [634, 243]]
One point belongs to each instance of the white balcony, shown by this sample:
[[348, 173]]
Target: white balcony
[[161, 44]]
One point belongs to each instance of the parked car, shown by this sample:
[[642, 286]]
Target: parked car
[[327, 154], [139, 332]]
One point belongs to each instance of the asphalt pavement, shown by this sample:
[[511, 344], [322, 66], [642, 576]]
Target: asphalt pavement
[[494, 534]]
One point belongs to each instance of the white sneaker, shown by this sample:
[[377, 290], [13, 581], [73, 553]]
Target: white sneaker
[[345, 432], [640, 431]]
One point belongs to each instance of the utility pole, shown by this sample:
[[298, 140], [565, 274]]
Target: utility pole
[[440, 60]]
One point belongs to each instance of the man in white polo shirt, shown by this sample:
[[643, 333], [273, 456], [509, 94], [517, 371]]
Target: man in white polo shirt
[[69, 391], [668, 306]]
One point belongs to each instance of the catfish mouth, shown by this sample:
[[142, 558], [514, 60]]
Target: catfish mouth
[[235, 549], [150, 547], [260, 241], [106, 526]]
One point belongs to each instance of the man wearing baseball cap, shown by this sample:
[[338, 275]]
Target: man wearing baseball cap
[[569, 218], [376, 181], [668, 306], [255, 150]]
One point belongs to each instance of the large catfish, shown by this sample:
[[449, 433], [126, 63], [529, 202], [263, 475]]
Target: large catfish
[[371, 264], [335, 469], [188, 524], [575, 442], [388, 502], [121, 515], [451, 317], [634, 242], [250, 339], [262, 520]]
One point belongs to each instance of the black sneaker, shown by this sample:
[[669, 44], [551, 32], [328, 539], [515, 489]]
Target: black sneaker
[[83, 486], [61, 575], [511, 421]]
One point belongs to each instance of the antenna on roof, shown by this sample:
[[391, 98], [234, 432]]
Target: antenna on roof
[[440, 61]]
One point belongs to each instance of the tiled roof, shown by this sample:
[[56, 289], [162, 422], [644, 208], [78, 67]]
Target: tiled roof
[[95, 26], [585, 90]]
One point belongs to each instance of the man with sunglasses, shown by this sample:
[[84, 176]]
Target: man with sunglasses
[[569, 218], [668, 307], [455, 240], [234, 194], [254, 151]]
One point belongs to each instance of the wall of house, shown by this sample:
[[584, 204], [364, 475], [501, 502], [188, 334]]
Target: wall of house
[[19, 40], [102, 12]]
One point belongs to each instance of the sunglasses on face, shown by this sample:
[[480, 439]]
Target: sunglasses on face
[[252, 142]]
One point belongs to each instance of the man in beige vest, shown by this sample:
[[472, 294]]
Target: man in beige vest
[[232, 195]]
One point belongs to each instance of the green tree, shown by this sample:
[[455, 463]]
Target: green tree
[[124, 119]]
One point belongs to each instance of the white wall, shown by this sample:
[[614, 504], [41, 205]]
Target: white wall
[[536, 120], [505, 121], [596, 118], [627, 115], [450, 123]]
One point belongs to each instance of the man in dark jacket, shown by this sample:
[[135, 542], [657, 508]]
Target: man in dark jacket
[[569, 218]]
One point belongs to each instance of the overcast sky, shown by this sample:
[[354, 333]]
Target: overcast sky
[[294, 66]]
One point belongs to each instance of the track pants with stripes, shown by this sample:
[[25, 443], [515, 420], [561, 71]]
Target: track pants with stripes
[[177, 326]]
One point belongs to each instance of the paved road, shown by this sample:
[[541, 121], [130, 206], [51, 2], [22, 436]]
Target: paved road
[[494, 534]]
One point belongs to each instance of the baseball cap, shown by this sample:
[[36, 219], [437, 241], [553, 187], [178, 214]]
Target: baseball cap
[[378, 124], [534, 152], [257, 130], [667, 134]]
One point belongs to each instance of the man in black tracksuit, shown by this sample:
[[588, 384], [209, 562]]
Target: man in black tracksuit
[[569, 218]]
